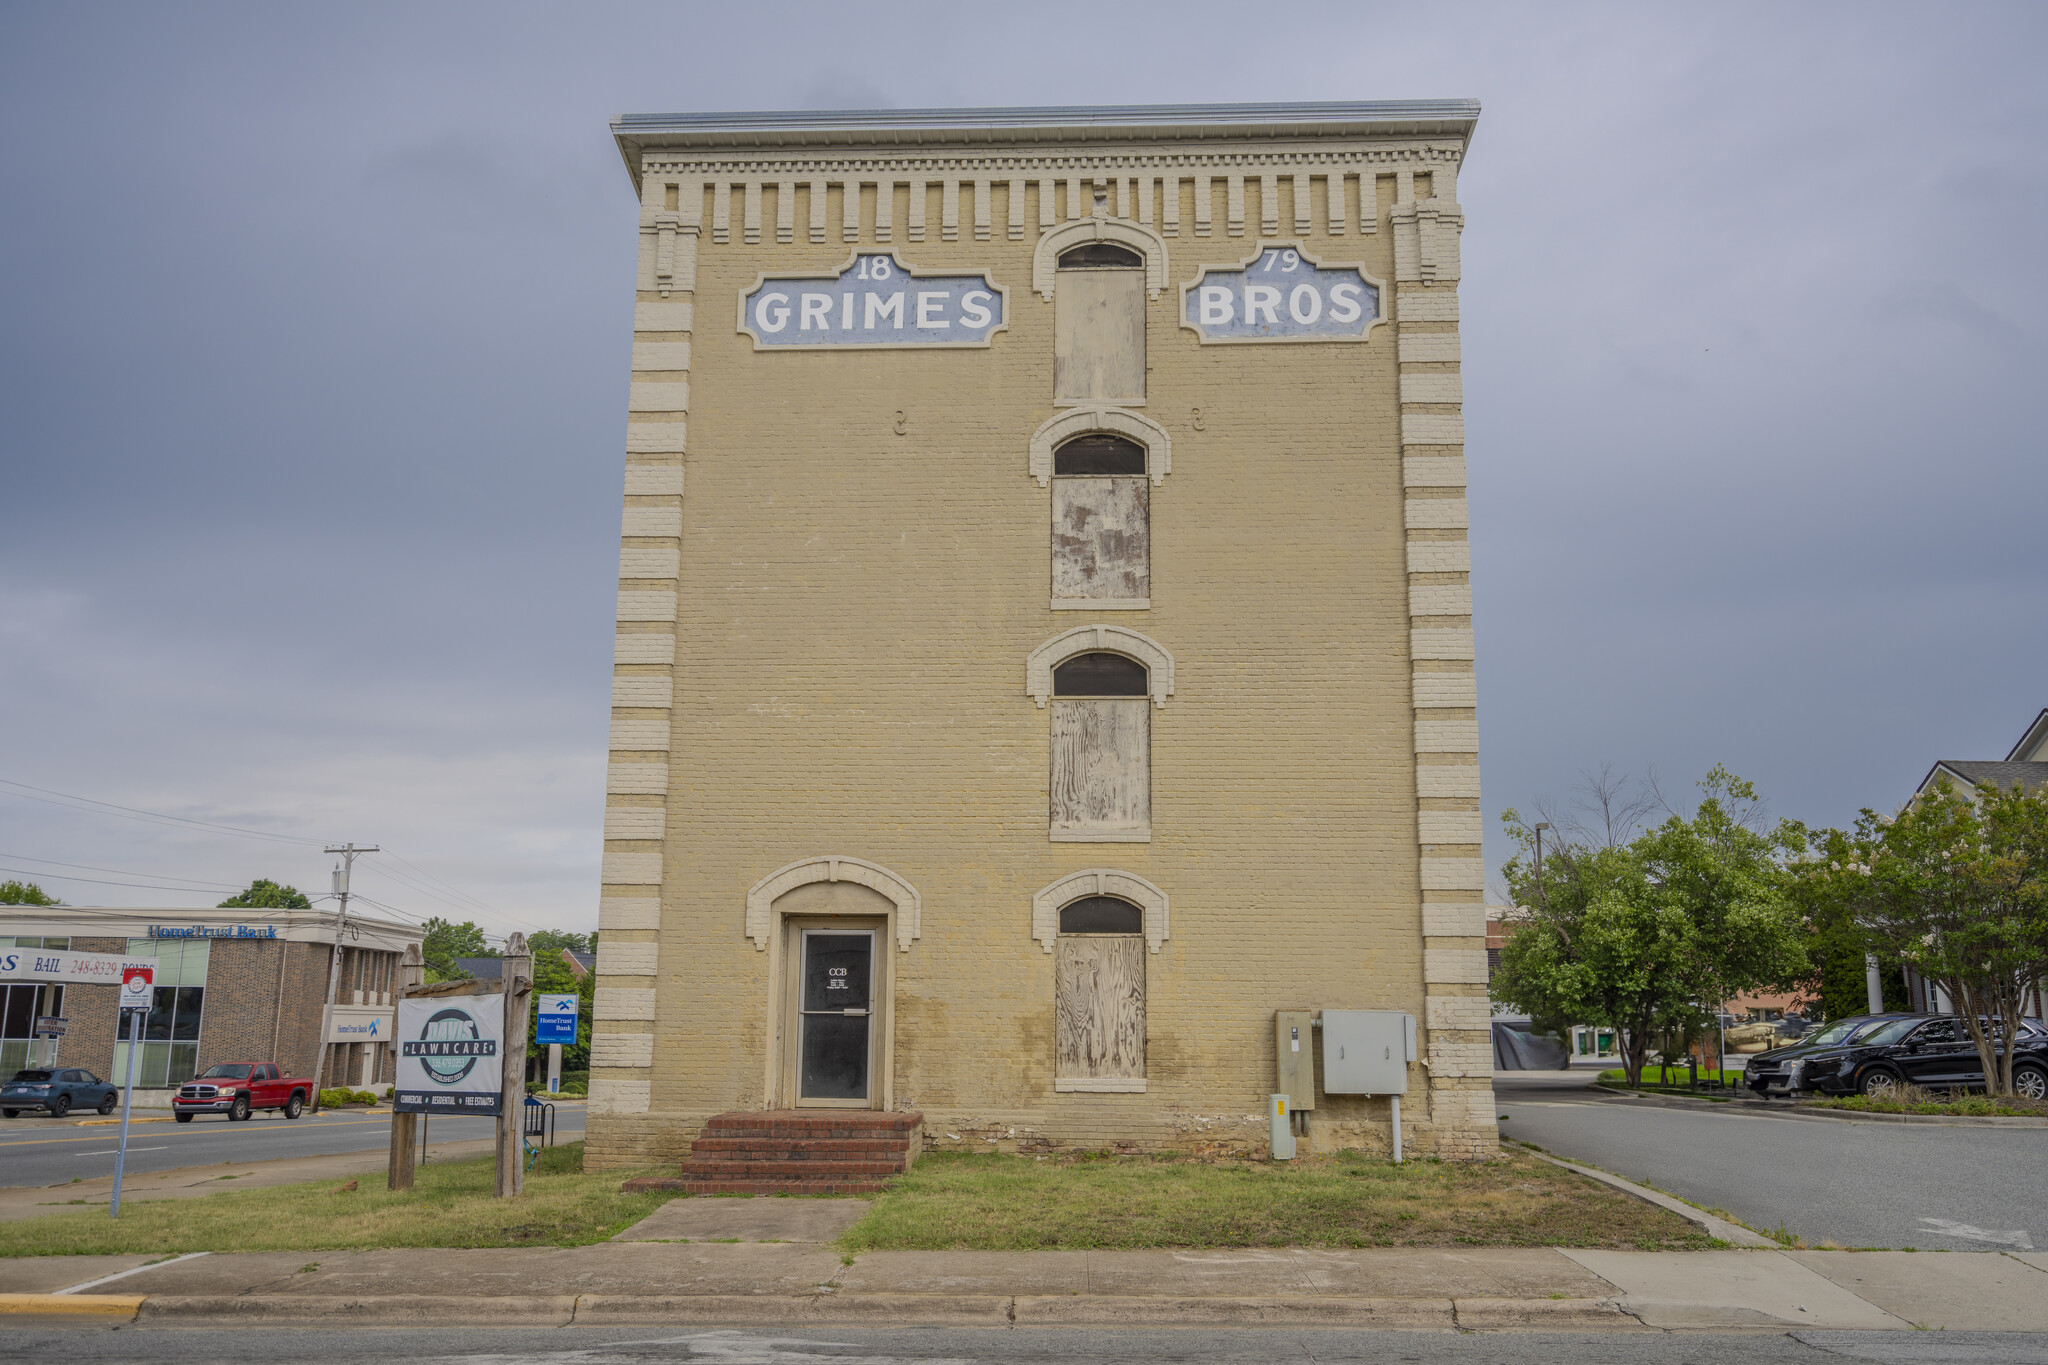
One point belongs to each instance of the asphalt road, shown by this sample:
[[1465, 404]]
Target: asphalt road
[[1926, 1186], [40, 1151], [985, 1346]]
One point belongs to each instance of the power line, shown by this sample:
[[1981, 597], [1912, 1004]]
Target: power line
[[197, 884], [481, 905], [84, 805], [96, 881], [421, 883]]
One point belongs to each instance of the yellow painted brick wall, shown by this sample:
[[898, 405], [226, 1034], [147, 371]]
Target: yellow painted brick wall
[[854, 611]]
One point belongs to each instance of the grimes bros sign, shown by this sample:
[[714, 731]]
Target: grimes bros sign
[[873, 301], [448, 1055], [1281, 295]]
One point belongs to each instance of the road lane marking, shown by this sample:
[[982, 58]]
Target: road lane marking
[[242, 1132], [111, 1150], [1946, 1228], [124, 1274]]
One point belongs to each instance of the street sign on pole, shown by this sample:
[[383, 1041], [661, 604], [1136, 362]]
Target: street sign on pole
[[138, 993], [555, 1025], [556, 1022]]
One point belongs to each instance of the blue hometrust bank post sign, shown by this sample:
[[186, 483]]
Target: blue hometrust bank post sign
[[555, 1021], [873, 302], [1281, 294]]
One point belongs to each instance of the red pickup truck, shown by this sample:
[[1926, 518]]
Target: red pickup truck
[[238, 1089]]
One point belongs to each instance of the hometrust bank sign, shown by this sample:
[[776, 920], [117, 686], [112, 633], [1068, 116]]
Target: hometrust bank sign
[[213, 931]]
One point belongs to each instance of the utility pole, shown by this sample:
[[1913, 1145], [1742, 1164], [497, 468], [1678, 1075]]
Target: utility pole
[[348, 854]]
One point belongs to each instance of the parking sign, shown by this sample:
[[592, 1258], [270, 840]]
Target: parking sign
[[556, 1022], [136, 991]]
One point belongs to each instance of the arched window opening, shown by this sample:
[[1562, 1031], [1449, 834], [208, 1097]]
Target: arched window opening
[[1100, 675], [1101, 256], [1101, 525], [1099, 325], [1101, 915], [1101, 778], [1099, 997], [1099, 454]]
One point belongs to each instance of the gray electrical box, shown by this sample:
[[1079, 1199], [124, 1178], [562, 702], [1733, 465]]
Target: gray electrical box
[[1366, 1052]]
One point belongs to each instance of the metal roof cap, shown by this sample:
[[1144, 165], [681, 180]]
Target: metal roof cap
[[637, 133]]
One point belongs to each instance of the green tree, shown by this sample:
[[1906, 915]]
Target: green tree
[[1837, 982], [264, 894], [446, 941], [1957, 885], [552, 975], [1728, 872], [1649, 936], [25, 893]]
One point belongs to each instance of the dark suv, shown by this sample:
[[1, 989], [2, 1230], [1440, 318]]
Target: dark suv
[[1874, 1054]]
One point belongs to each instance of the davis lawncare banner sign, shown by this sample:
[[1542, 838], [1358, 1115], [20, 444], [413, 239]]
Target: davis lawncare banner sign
[[448, 1054]]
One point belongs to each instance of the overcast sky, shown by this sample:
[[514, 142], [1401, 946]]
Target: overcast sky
[[314, 326]]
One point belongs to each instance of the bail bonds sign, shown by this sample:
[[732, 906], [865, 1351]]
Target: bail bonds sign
[[1281, 295], [872, 302], [448, 1055]]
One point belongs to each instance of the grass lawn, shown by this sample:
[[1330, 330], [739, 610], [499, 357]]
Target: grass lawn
[[1018, 1203], [1669, 1076], [1917, 1101], [450, 1205]]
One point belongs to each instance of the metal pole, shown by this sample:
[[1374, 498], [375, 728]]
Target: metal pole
[[127, 1107], [348, 854], [554, 1068], [1397, 1128]]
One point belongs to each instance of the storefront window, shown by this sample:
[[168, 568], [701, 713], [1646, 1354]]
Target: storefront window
[[19, 1006], [170, 1033]]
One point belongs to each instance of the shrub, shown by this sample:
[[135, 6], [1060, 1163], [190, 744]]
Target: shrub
[[343, 1095]]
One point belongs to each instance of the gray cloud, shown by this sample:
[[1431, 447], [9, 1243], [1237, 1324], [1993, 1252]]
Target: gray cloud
[[313, 333]]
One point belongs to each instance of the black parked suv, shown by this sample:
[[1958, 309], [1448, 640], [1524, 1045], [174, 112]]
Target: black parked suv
[[1874, 1054]]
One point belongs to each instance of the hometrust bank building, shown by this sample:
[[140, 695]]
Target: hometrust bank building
[[231, 985], [1044, 661]]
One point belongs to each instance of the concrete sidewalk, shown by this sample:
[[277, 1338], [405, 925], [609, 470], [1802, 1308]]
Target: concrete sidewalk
[[732, 1283]]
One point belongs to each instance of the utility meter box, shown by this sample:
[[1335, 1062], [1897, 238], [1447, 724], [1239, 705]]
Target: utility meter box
[[1295, 1064], [1366, 1052]]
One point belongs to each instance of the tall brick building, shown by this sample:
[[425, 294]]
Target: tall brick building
[[1044, 642]]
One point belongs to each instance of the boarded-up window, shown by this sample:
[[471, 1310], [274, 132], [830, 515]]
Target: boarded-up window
[[1099, 326], [1101, 779], [1099, 1012], [1101, 524]]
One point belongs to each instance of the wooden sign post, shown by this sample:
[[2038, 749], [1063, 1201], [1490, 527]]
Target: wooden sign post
[[517, 980], [404, 1127]]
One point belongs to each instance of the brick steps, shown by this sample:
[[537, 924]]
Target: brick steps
[[795, 1152], [778, 1186], [796, 1149], [701, 1168]]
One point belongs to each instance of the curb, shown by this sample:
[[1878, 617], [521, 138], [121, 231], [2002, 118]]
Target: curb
[[432, 1309], [1113, 1310], [123, 1306], [1706, 1222], [1544, 1315], [968, 1310], [1945, 1120]]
